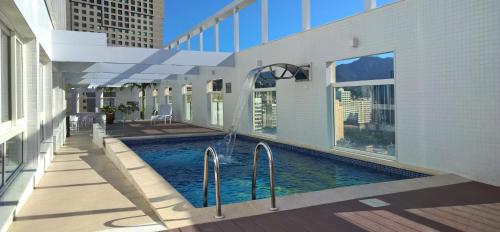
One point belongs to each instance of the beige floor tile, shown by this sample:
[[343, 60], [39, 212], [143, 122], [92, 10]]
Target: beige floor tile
[[82, 191]]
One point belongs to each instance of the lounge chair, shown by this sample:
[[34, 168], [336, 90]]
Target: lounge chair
[[164, 113]]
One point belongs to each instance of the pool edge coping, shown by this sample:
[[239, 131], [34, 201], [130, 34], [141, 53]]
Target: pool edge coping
[[182, 213]]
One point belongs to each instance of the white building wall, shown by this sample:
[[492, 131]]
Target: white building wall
[[446, 58]]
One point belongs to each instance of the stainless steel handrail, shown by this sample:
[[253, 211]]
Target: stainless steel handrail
[[215, 158], [271, 173]]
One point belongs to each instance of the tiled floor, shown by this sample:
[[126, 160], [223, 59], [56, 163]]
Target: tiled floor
[[83, 191]]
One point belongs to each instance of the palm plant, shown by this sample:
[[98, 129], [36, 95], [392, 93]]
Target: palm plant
[[142, 87]]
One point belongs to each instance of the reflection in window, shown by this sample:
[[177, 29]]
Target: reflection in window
[[87, 102], [188, 102], [374, 67], [168, 95], [365, 114], [216, 102], [19, 79], [13, 157], [265, 105], [364, 118], [1, 165], [5, 93], [108, 97]]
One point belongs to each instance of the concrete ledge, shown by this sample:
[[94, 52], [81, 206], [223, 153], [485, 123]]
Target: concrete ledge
[[16, 195], [176, 211], [162, 197]]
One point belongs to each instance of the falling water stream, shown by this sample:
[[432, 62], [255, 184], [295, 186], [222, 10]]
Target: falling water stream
[[226, 146], [278, 71]]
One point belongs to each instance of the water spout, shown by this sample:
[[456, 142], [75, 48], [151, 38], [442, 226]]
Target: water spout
[[277, 72]]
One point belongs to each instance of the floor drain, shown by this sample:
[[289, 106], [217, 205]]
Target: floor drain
[[374, 202]]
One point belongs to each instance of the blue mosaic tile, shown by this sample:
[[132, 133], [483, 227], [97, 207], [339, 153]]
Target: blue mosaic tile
[[379, 167]]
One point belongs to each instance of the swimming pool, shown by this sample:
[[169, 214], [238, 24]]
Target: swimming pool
[[297, 170]]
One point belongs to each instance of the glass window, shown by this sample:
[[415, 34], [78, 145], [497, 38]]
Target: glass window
[[168, 95], [265, 112], [188, 100], [373, 67], [19, 78], [13, 155], [5, 90], [1, 165], [87, 102], [216, 102], [364, 115], [265, 118], [108, 97], [365, 118]]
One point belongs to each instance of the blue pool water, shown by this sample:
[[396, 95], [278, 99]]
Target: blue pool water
[[181, 164]]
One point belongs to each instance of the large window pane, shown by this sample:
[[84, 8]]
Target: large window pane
[[19, 78], [108, 98], [365, 118], [188, 98], [373, 67], [13, 155], [265, 112], [217, 109], [5, 93], [1, 165], [167, 94], [87, 102]]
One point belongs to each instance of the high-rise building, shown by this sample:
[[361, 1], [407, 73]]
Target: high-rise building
[[363, 108], [129, 23]]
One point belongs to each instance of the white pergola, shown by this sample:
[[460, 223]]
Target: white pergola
[[84, 59]]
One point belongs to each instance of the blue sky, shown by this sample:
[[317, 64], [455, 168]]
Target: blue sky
[[284, 19]]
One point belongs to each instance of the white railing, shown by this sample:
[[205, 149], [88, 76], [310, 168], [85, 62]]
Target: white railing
[[233, 9]]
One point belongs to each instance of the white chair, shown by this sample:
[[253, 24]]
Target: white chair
[[164, 113], [73, 122]]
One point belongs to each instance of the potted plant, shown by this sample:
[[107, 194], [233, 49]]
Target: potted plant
[[110, 113], [128, 109]]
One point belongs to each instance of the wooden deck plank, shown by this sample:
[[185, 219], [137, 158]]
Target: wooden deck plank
[[451, 221], [402, 220], [269, 225], [291, 225], [432, 209], [228, 226], [248, 225], [472, 217], [392, 221], [319, 221]]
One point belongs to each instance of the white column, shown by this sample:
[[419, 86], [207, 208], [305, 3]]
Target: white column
[[306, 15], [370, 4], [216, 35], [201, 39], [236, 29], [188, 42], [31, 64], [264, 22]]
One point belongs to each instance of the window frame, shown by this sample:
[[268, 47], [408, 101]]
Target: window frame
[[211, 93], [256, 90], [185, 94], [4, 30], [167, 94], [335, 85]]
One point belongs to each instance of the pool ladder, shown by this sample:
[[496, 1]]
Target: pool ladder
[[271, 173], [215, 159], [210, 151]]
